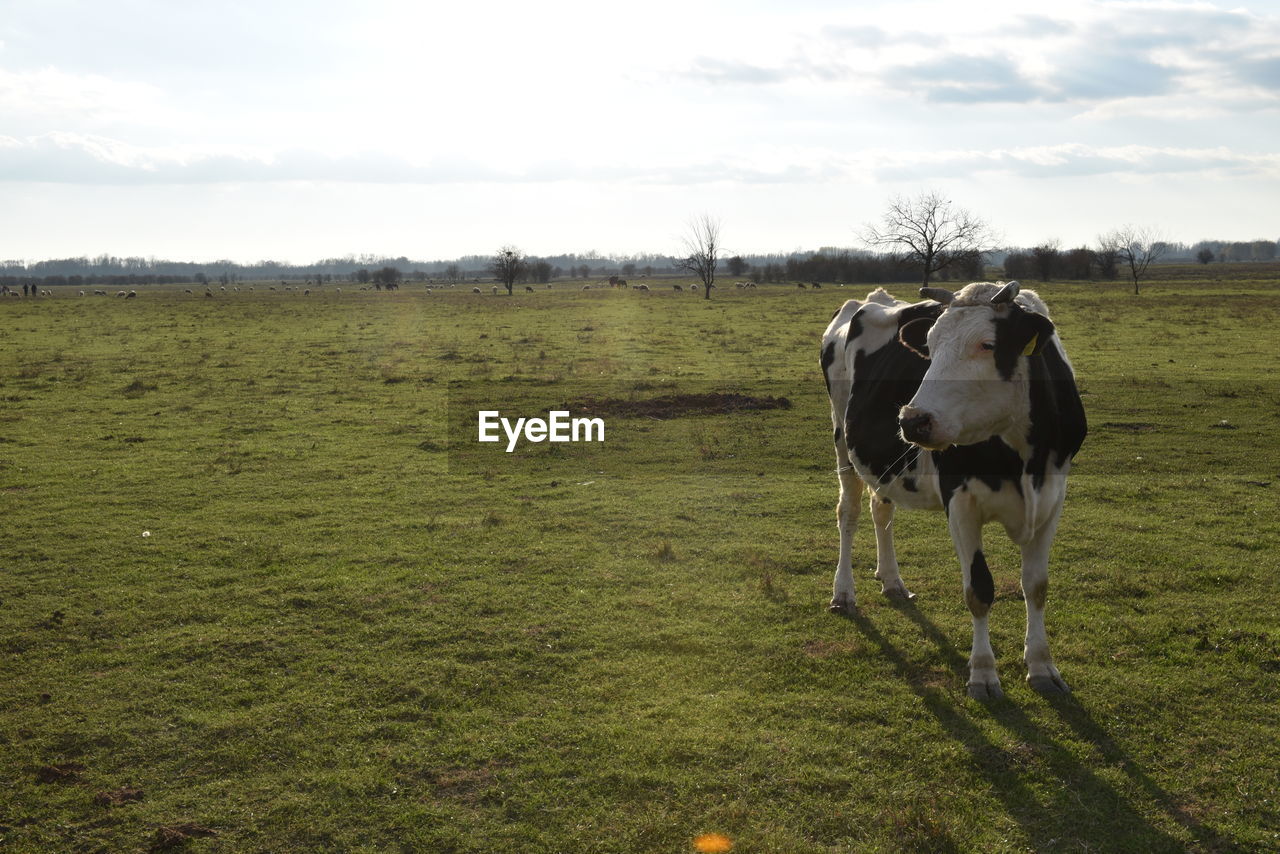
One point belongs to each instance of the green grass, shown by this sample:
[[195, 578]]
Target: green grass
[[352, 628]]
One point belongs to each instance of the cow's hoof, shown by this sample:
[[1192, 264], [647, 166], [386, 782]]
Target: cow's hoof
[[986, 690], [896, 590], [1048, 683], [842, 603]]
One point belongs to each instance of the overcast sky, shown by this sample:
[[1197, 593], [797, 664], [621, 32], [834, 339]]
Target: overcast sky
[[301, 130]]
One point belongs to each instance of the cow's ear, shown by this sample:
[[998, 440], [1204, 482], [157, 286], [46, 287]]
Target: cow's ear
[[914, 335], [1020, 333], [1035, 333]]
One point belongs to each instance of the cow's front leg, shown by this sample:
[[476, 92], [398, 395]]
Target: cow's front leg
[[965, 523], [886, 558], [1042, 674], [847, 513]]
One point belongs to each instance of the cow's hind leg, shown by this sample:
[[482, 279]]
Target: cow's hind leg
[[886, 558], [979, 593], [1042, 673], [847, 512]]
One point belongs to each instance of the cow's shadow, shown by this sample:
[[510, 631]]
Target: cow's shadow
[[1082, 791]]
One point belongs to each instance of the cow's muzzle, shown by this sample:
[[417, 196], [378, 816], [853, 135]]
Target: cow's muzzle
[[917, 427]]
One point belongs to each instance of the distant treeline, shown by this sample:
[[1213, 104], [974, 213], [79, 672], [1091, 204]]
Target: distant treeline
[[1048, 262], [829, 264]]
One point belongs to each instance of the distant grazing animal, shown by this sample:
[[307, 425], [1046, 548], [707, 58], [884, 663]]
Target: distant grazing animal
[[678, 288], [495, 290], [97, 293], [131, 295], [82, 293], [815, 286], [693, 288], [800, 285], [120, 293], [307, 292], [966, 403], [644, 288], [529, 289], [475, 290], [586, 287]]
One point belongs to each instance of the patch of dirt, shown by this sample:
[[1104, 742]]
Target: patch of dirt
[[175, 835], [676, 405], [67, 772], [123, 795]]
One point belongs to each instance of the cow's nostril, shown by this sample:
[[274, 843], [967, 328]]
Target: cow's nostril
[[916, 427]]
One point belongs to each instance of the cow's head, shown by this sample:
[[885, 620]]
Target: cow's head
[[976, 384]]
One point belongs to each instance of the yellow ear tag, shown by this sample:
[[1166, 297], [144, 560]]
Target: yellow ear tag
[[1031, 345]]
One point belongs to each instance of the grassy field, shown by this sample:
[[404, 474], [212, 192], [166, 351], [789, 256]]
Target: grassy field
[[260, 590]]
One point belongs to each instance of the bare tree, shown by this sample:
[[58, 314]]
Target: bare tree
[[508, 265], [1137, 247], [929, 232], [702, 245], [1204, 256]]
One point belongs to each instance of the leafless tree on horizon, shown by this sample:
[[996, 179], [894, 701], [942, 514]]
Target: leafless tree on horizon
[[702, 245], [1137, 246], [929, 231], [508, 264]]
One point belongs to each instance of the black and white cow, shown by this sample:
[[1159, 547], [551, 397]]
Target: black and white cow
[[964, 403]]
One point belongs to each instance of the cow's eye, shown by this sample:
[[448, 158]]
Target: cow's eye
[[987, 345]]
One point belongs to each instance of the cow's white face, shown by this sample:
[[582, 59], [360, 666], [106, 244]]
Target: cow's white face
[[976, 384]]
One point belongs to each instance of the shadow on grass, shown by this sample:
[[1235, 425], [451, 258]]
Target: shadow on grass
[[1085, 807]]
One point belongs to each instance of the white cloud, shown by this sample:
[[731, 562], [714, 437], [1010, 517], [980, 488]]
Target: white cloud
[[1109, 52], [77, 158], [55, 93]]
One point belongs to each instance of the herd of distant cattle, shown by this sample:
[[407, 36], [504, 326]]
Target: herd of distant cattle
[[208, 291]]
